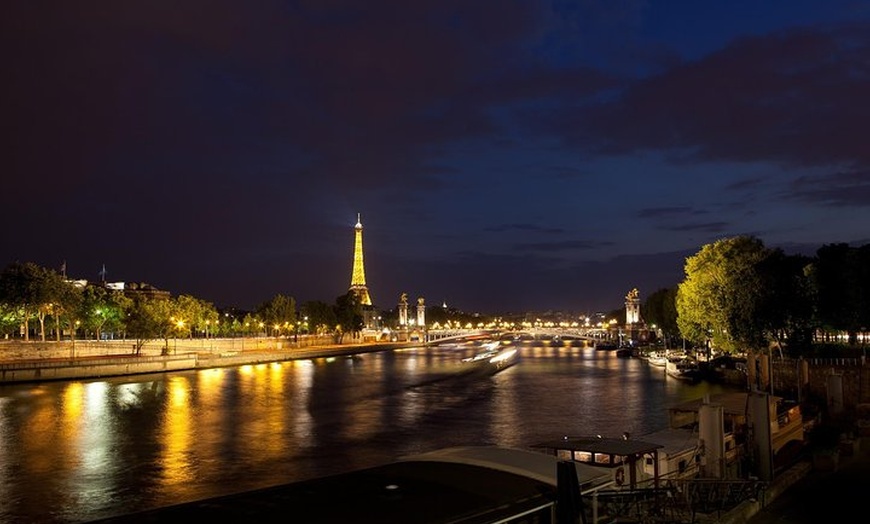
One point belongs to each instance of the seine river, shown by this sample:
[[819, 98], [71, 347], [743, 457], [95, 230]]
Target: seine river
[[77, 451]]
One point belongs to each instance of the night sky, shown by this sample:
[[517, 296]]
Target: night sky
[[505, 156]]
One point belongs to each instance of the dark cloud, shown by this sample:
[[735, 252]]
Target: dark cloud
[[706, 227], [796, 97], [668, 212], [524, 227], [566, 245], [746, 184], [850, 189]]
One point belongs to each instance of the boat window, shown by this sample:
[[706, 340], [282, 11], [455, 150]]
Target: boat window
[[584, 456]]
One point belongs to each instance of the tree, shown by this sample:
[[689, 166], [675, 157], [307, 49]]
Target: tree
[[842, 283], [278, 313], [194, 315], [150, 318], [9, 320], [27, 288], [348, 314], [660, 309], [250, 325], [102, 310], [719, 299], [321, 316], [786, 309], [66, 306]]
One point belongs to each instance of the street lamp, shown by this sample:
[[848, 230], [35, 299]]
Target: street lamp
[[179, 325]]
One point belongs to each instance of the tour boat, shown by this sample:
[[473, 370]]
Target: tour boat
[[683, 368], [627, 352], [658, 359], [492, 358]]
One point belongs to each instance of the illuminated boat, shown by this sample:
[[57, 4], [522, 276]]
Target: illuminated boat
[[658, 359], [683, 368], [492, 358]]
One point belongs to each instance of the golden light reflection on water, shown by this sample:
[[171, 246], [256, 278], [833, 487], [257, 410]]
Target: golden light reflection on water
[[211, 413], [365, 416], [39, 437], [174, 434], [301, 422], [413, 407], [507, 419], [263, 420]]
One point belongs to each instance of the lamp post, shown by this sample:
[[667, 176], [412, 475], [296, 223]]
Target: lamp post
[[179, 324]]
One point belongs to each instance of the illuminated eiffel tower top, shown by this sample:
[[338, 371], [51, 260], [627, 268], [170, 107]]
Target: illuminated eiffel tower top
[[358, 278]]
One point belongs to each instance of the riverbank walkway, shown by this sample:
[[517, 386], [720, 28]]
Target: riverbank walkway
[[840, 495], [23, 369]]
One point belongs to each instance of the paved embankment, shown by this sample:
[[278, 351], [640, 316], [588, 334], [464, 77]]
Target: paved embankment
[[824, 495], [37, 370]]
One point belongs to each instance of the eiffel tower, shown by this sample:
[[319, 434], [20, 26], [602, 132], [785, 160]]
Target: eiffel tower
[[358, 277]]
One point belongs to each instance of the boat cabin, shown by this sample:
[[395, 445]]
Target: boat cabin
[[624, 456]]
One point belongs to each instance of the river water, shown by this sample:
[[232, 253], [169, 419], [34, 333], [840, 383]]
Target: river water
[[76, 451]]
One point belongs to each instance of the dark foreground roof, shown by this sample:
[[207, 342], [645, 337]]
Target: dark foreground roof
[[466, 487], [608, 446]]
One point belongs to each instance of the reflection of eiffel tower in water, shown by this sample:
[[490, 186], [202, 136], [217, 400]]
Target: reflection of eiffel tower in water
[[358, 277]]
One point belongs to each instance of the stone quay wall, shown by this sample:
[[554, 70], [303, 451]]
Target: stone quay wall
[[97, 367], [40, 361], [11, 350], [843, 382]]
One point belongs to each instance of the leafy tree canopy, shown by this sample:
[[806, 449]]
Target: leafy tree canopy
[[720, 295]]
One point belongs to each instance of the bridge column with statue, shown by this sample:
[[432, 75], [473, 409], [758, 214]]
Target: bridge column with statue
[[403, 310], [421, 312], [632, 308], [421, 319], [636, 331], [402, 334]]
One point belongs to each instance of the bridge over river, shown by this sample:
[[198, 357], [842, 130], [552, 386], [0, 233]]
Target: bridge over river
[[588, 334]]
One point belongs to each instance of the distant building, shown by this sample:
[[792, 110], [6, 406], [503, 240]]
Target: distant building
[[133, 289], [130, 289]]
